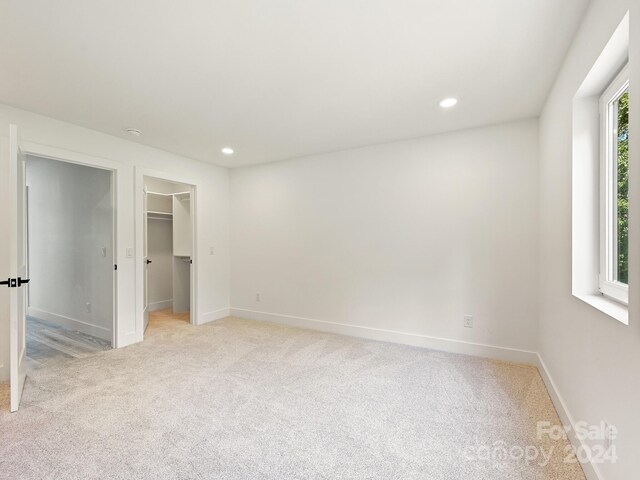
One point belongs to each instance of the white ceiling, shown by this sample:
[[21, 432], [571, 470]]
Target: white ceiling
[[281, 78]]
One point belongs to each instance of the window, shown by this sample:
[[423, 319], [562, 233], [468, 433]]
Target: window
[[599, 182], [614, 189]]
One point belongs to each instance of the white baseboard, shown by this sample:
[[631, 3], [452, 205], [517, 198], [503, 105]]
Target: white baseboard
[[450, 345], [213, 316], [591, 471], [71, 323], [455, 346], [127, 339], [161, 305], [413, 339]]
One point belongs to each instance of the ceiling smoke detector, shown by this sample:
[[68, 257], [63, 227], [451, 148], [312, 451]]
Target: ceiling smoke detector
[[133, 131]]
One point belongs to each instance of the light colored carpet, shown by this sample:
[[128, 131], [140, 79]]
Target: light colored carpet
[[239, 399]]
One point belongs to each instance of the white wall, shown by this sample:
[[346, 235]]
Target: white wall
[[593, 359], [409, 237], [160, 271], [406, 236], [81, 143], [70, 223], [160, 186]]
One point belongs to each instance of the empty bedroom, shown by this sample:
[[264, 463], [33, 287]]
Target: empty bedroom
[[358, 239]]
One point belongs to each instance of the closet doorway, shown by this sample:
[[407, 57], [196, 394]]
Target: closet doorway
[[168, 250]]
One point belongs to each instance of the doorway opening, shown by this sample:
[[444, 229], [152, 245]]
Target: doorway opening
[[70, 232], [168, 251]]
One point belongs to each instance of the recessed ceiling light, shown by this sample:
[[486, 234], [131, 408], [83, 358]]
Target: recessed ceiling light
[[133, 131], [227, 151], [448, 102]]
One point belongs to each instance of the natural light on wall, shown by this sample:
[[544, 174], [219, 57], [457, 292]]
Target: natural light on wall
[[600, 202]]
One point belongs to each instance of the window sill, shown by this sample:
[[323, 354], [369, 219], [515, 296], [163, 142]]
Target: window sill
[[607, 306]]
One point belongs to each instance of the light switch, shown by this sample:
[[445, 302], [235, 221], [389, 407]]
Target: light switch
[[129, 252]]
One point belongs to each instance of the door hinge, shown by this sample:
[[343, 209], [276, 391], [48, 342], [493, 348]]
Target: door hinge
[[115, 267]]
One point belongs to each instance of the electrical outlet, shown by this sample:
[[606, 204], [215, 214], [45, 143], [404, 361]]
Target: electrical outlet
[[257, 297], [88, 307], [468, 321]]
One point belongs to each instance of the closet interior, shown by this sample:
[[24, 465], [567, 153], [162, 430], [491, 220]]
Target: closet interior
[[168, 247]]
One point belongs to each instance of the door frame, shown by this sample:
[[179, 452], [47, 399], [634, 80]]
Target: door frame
[[17, 268], [140, 173], [76, 158]]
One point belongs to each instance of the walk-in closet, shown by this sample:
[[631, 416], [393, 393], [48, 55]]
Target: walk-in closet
[[169, 235]]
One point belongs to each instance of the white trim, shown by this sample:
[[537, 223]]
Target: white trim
[[127, 339], [71, 323], [116, 168], [590, 470], [213, 316], [405, 338], [607, 283], [606, 305], [161, 305], [149, 192], [445, 344], [69, 156], [140, 173], [586, 183]]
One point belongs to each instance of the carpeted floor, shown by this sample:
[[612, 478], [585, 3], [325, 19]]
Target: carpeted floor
[[239, 399]]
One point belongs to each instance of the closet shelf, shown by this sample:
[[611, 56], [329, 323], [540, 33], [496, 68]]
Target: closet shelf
[[159, 215]]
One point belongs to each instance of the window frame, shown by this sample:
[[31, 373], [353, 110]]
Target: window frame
[[607, 278]]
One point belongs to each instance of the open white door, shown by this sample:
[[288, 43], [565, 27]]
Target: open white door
[[145, 259], [17, 268]]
